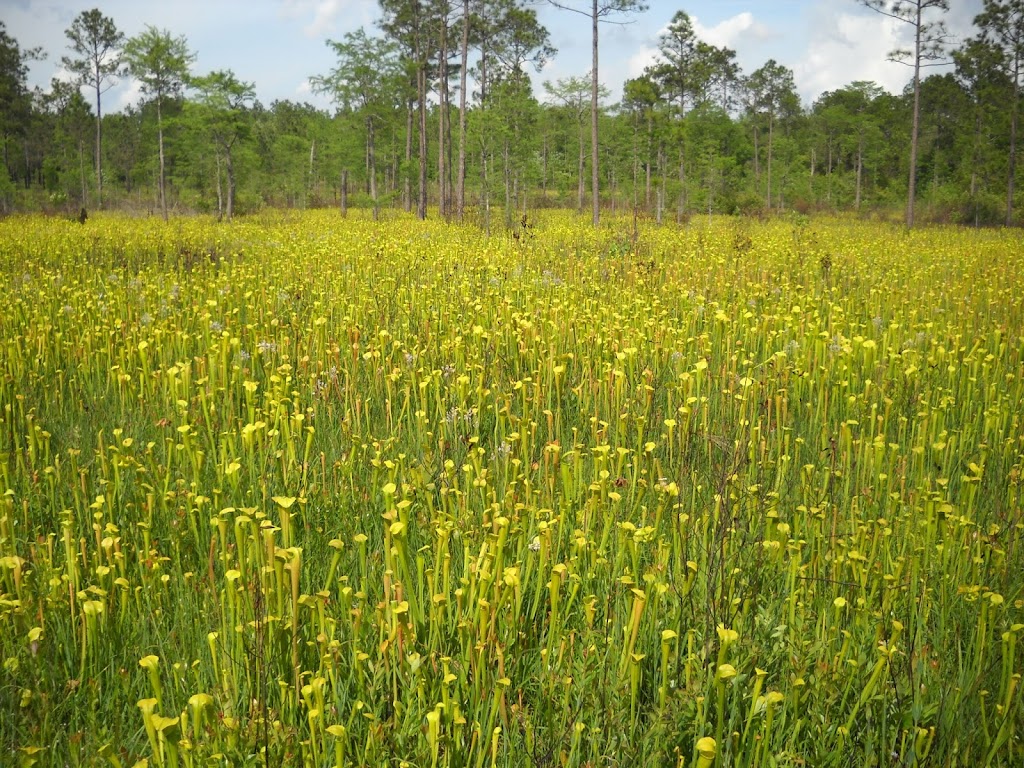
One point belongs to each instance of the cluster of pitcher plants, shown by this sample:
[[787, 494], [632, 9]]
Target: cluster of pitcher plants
[[305, 491]]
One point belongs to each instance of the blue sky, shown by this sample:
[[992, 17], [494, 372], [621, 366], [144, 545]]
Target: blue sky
[[279, 44]]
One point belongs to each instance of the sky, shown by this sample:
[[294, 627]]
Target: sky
[[279, 44]]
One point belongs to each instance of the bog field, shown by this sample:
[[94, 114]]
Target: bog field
[[306, 491]]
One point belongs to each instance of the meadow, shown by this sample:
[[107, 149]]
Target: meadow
[[306, 491]]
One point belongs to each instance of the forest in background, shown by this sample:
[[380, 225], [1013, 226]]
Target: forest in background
[[434, 109]]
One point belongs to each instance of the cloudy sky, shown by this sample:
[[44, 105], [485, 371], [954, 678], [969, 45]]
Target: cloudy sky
[[279, 44]]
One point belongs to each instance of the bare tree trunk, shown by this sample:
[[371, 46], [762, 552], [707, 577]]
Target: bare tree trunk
[[663, 180], [810, 181], [99, 150], [229, 170], [757, 157], [421, 106], [544, 168], [421, 202], [828, 174], [915, 128], [344, 192], [771, 131], [507, 179], [580, 169], [81, 170], [860, 172], [614, 190], [406, 180], [636, 180], [160, 142], [372, 159], [650, 147], [1014, 119], [220, 189], [460, 182], [311, 185], [681, 204], [594, 178], [449, 179], [442, 111]]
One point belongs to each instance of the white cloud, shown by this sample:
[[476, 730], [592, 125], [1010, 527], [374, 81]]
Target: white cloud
[[855, 45], [130, 93], [737, 32], [849, 47], [639, 61], [329, 16], [63, 74], [734, 31]]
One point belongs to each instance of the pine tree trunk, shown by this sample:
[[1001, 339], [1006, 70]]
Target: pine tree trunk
[[442, 111], [372, 160], [681, 204], [771, 131], [507, 180], [594, 177], [344, 192], [828, 174], [757, 157], [229, 170], [1014, 119], [421, 106], [912, 184], [406, 180], [311, 184], [580, 193], [421, 202], [647, 169], [160, 141], [460, 182], [220, 190], [81, 171], [860, 172], [810, 181], [99, 150]]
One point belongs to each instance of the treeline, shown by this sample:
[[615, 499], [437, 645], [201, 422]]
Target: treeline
[[435, 108]]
